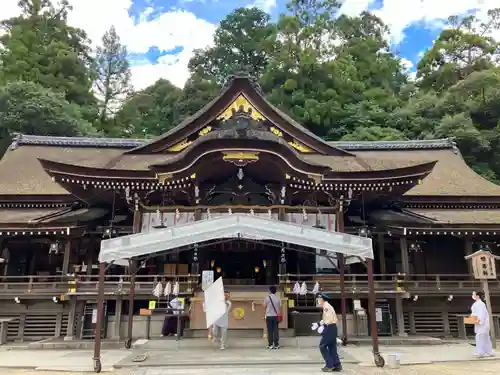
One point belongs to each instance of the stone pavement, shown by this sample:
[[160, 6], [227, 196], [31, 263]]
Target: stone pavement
[[206, 359], [463, 368]]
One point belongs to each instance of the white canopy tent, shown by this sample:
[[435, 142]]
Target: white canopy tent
[[119, 250]]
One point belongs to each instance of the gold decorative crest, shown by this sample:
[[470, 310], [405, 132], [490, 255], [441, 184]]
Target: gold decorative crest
[[238, 313], [205, 130], [179, 146], [299, 146], [163, 177], [276, 131], [240, 155], [241, 103]]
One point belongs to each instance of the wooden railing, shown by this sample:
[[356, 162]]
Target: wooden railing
[[413, 284], [23, 286]]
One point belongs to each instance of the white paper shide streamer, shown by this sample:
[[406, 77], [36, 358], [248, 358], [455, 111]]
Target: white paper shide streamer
[[168, 289], [303, 289], [158, 290], [316, 288]]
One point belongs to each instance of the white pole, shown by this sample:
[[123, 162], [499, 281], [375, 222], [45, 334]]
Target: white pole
[[486, 290]]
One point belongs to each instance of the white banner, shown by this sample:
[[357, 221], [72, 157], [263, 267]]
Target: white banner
[[215, 303], [207, 279]]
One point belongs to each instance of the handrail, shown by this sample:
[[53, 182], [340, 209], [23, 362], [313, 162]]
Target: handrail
[[437, 283], [74, 284], [384, 277]]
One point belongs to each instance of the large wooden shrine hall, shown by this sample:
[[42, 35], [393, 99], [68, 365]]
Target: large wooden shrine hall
[[417, 205]]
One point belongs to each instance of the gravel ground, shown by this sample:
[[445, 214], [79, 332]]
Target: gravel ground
[[482, 367]]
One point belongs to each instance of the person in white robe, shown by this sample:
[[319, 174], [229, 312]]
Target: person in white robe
[[482, 326]]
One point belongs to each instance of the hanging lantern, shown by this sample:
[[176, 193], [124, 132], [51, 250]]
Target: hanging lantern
[[256, 269], [212, 264], [264, 263], [219, 270]]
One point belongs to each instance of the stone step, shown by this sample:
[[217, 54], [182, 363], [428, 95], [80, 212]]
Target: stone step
[[255, 333]]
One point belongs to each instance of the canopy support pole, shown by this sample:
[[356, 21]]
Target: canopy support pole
[[378, 359], [100, 313], [341, 264], [132, 272]]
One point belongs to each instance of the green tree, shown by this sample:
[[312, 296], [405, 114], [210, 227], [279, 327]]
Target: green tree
[[39, 46], [113, 77], [336, 88], [374, 133], [244, 41], [29, 108], [149, 112], [463, 47]]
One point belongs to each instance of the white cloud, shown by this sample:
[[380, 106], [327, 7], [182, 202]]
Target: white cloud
[[399, 15], [265, 5], [353, 8], [181, 28], [168, 31], [406, 64]]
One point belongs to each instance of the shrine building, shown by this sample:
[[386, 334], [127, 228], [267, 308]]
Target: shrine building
[[240, 161]]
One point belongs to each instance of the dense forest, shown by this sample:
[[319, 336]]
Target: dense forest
[[337, 75]]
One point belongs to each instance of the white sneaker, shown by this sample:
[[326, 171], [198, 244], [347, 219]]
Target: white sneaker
[[222, 347]]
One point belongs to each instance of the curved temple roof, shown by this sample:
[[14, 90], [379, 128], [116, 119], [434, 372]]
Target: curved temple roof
[[451, 177]]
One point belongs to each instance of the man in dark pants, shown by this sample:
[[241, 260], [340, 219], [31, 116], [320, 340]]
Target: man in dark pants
[[272, 304], [328, 330]]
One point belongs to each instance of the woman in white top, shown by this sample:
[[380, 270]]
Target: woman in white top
[[479, 311], [272, 304]]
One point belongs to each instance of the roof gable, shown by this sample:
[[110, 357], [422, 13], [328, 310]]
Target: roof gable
[[240, 97]]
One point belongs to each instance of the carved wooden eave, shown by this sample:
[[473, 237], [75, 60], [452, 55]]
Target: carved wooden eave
[[260, 147], [396, 181], [240, 94], [93, 185]]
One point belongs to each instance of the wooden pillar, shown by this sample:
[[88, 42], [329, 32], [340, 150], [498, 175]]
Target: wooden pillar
[[411, 322], [118, 318], [22, 324], [67, 257], [400, 318], [446, 322], [341, 264], [59, 318], [405, 260], [195, 263], [70, 329], [468, 251], [381, 253], [282, 266]]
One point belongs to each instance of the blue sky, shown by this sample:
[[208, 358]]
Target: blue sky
[[418, 37], [161, 35]]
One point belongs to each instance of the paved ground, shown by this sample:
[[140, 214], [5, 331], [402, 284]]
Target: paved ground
[[251, 361], [473, 367]]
